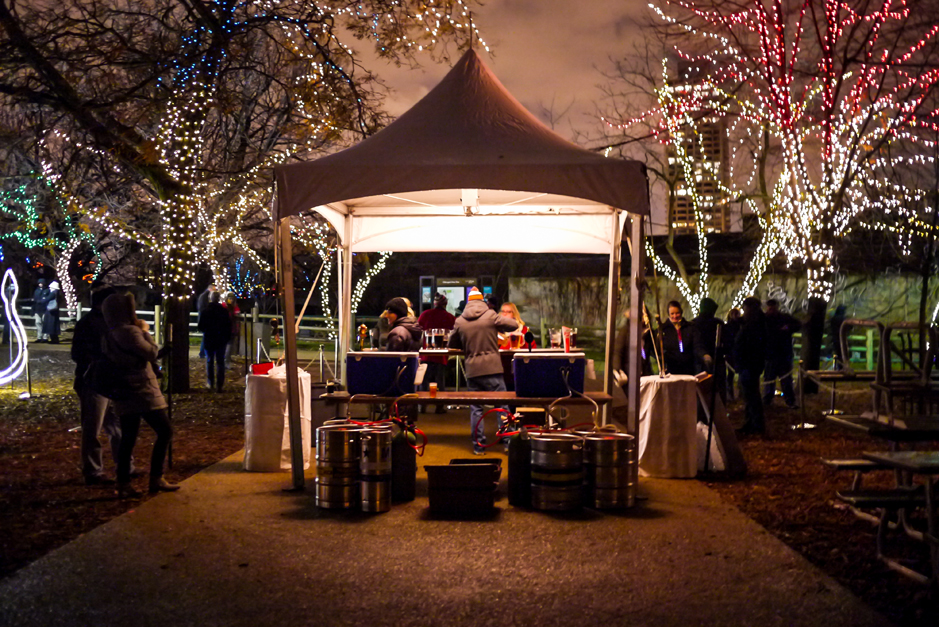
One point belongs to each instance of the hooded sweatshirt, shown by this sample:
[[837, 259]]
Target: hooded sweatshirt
[[476, 331], [131, 348], [405, 335]]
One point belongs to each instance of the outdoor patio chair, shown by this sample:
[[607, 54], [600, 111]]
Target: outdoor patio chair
[[842, 371], [907, 381]]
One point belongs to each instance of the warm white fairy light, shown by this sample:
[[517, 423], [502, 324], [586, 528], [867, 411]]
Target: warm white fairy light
[[844, 117], [362, 284], [199, 222], [21, 204]]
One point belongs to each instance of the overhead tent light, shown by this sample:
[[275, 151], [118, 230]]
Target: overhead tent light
[[470, 201]]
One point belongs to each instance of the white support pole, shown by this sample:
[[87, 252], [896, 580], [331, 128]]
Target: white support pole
[[345, 302], [290, 353], [612, 306], [636, 286]]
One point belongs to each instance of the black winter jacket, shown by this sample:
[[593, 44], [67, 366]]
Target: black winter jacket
[[405, 336]]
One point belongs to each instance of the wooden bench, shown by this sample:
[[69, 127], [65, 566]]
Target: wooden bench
[[892, 499], [858, 466]]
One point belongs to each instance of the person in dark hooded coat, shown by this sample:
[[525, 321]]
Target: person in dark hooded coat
[[749, 356], [215, 324], [779, 329], [706, 330], [405, 335]]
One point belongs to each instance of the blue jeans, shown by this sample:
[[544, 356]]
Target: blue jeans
[[485, 383], [215, 367]]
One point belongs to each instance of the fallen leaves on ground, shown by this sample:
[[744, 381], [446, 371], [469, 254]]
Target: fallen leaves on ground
[[788, 491]]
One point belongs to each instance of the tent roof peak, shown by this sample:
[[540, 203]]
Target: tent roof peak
[[467, 132]]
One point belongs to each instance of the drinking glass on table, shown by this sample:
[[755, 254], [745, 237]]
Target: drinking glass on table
[[555, 337]]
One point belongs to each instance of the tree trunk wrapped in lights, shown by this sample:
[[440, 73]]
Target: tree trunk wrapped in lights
[[843, 87], [178, 110]]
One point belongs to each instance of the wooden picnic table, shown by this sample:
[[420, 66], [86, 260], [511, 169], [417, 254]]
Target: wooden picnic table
[[906, 430], [926, 465], [468, 397]]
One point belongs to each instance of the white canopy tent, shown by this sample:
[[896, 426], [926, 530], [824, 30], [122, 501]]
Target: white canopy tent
[[468, 168]]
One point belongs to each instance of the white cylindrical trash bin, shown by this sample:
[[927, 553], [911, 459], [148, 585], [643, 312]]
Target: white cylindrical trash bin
[[267, 432]]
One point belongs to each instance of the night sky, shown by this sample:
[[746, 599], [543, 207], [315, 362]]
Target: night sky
[[546, 52]]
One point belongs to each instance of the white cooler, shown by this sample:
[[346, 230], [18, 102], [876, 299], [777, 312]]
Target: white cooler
[[267, 433]]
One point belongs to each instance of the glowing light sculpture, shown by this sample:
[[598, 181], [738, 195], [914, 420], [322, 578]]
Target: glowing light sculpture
[[18, 365]]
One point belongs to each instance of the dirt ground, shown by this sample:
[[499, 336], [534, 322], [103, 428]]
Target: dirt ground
[[45, 503]]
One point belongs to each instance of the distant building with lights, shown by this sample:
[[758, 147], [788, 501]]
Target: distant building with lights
[[705, 144]]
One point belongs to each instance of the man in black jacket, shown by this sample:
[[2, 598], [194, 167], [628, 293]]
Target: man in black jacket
[[40, 302], [215, 324], [749, 355], [405, 334], [779, 329], [96, 411], [201, 303]]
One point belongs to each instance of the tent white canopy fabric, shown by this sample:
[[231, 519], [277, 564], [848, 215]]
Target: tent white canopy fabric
[[468, 168]]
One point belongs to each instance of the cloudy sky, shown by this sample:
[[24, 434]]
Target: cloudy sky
[[546, 52]]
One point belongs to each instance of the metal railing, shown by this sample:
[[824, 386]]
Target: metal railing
[[320, 329]]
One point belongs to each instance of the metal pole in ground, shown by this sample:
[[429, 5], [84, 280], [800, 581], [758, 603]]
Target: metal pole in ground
[[169, 390]]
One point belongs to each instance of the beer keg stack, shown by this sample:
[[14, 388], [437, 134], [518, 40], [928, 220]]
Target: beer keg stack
[[586, 468], [353, 466]]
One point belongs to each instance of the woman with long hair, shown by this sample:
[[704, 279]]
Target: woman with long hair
[[514, 339], [128, 345]]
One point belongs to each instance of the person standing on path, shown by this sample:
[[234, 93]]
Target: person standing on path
[[749, 356], [679, 342], [215, 324], [779, 329], [230, 302], [50, 321], [436, 318], [729, 336], [201, 303], [476, 331], [129, 346], [40, 300], [96, 411]]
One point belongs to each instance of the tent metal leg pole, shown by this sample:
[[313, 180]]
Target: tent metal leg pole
[[612, 307], [636, 286], [290, 354], [345, 300]]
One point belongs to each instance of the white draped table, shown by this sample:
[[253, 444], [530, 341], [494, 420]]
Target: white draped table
[[668, 417]]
